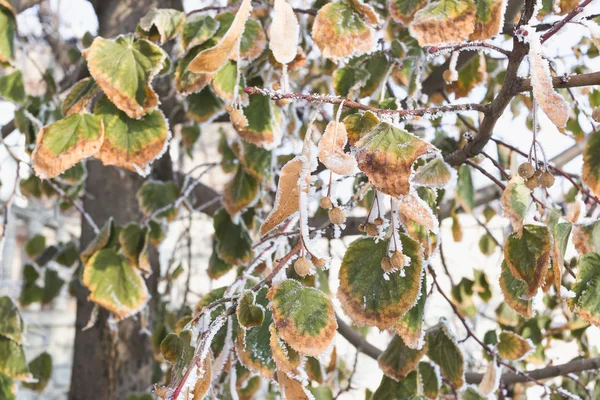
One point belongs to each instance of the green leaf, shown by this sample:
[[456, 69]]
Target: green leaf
[[217, 267], [189, 136], [234, 244], [398, 360], [53, 283], [303, 316], [30, 291], [248, 313], [8, 30], [223, 84], [124, 67], [444, 21], [488, 19], [371, 297], [11, 323], [515, 202], [66, 142], [514, 290], [528, 256], [560, 240], [586, 302], [197, 30], [487, 244], [133, 240], [430, 380], [506, 315], [41, 369], [436, 174], [257, 161], [377, 66], [389, 389], [410, 326], [263, 127], [100, 241], [321, 392], [465, 191], [131, 143], [403, 11], [241, 192], [349, 79], [481, 286], [35, 246], [443, 350], [80, 96], [12, 360], [512, 347], [157, 197], [471, 393], [177, 348], [114, 284], [186, 81], [11, 85], [8, 388], [166, 21], [340, 32], [359, 124], [390, 148], [204, 106], [253, 40]]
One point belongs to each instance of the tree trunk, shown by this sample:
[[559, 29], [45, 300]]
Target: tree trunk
[[110, 363]]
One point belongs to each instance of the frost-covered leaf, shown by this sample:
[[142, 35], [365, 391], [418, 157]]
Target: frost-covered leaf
[[234, 244], [124, 67], [8, 30], [100, 241], [410, 326], [204, 105], [489, 19], [252, 42], [64, 143], [359, 124], [257, 161], [389, 389], [284, 32], [223, 83], [403, 11], [197, 30], [80, 96], [398, 360], [513, 290], [331, 149], [263, 128], [443, 350], [186, 81], [368, 295], [286, 358], [491, 379], [340, 32], [465, 190], [444, 21], [386, 156], [153, 196], [586, 237], [513, 347], [214, 58], [11, 85], [131, 143], [469, 76], [41, 369], [166, 21], [436, 173], [177, 347], [586, 302], [134, 241], [303, 316], [553, 104], [348, 80], [291, 388], [430, 379], [515, 202], [378, 66], [591, 163], [204, 379], [11, 323], [415, 209], [528, 256], [240, 192], [114, 283], [247, 312], [12, 360]]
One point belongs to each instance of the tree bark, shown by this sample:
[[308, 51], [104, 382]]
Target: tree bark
[[111, 362]]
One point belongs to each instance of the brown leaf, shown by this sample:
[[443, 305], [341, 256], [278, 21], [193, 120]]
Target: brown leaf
[[284, 32], [331, 149]]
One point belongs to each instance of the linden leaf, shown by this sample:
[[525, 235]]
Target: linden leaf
[[291, 388], [386, 156], [553, 104], [489, 19], [35, 246], [223, 83], [415, 209], [491, 379], [286, 358], [444, 21], [358, 125], [12, 88], [80, 96], [389, 389], [197, 30], [158, 199], [284, 32], [168, 22], [469, 76], [8, 30], [252, 42], [124, 68], [591, 163], [443, 350], [513, 347], [214, 58], [378, 66], [397, 360], [257, 161], [8, 388], [66, 142], [348, 80], [560, 240], [234, 244], [248, 313], [204, 105], [12, 360], [217, 267], [465, 190], [403, 11], [513, 290], [41, 369], [527, 256], [471, 393], [340, 32], [436, 174], [134, 241], [430, 379], [131, 143], [264, 122], [204, 379], [11, 323], [331, 149], [177, 348], [586, 302], [287, 198], [241, 192], [303, 316], [371, 297], [515, 202], [186, 81], [114, 283], [102, 239], [410, 326], [586, 237]]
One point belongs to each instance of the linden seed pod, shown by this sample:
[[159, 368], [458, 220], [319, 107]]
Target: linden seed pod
[[547, 179], [336, 216], [282, 102], [526, 170], [386, 264], [319, 262], [238, 119], [532, 182], [372, 229], [302, 266], [325, 203], [397, 260], [378, 221], [538, 172]]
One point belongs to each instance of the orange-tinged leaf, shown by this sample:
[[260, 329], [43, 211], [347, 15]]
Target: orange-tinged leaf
[[397, 360], [513, 347], [513, 289], [403, 11], [586, 238], [331, 149], [489, 19], [284, 32], [291, 388], [436, 173], [204, 376], [286, 358], [240, 192], [80, 96], [444, 21], [413, 208], [515, 202]]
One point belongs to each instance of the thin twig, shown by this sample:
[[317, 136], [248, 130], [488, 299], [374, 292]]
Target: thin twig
[[559, 25]]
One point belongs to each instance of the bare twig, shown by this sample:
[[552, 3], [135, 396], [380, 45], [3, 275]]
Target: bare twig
[[558, 26]]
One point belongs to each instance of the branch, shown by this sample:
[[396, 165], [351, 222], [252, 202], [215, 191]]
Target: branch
[[22, 5], [577, 10], [563, 82]]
